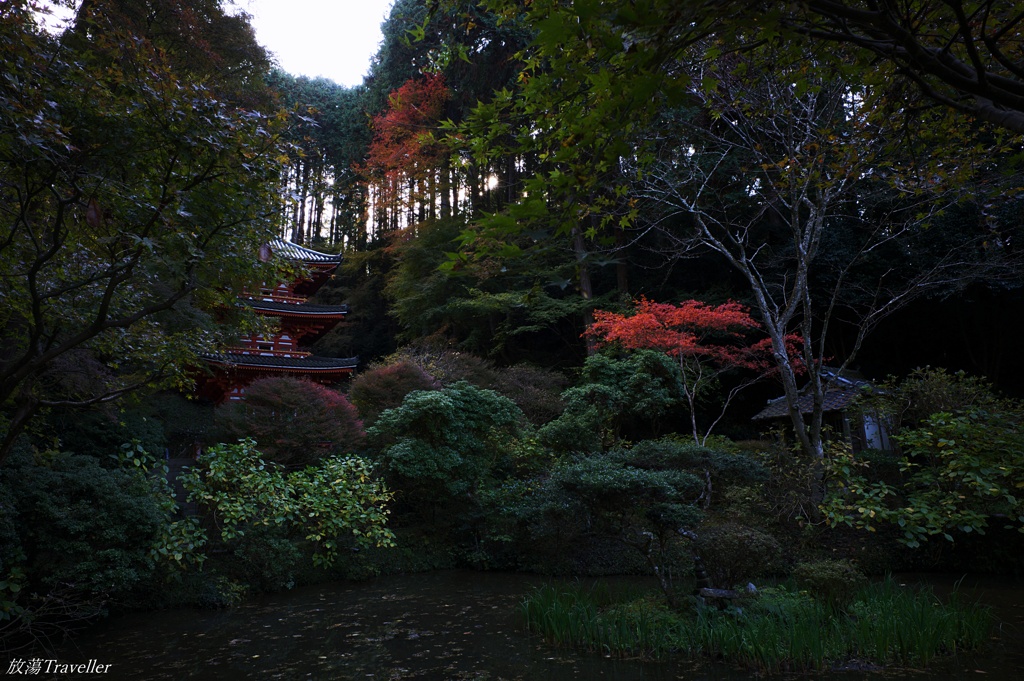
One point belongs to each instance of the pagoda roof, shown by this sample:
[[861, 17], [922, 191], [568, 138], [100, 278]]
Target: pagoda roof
[[276, 307], [291, 251], [310, 364]]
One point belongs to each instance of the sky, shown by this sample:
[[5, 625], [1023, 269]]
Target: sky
[[330, 38]]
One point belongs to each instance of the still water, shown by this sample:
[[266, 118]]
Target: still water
[[438, 626]]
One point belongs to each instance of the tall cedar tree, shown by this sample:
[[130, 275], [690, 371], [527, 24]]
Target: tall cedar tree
[[404, 157]]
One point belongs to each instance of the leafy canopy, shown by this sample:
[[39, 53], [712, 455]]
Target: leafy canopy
[[444, 443], [960, 473], [334, 504], [130, 195]]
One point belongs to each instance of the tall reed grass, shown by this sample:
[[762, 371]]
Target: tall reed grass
[[780, 630]]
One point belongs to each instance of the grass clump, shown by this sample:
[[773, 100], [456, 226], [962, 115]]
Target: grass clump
[[578, 616], [780, 630]]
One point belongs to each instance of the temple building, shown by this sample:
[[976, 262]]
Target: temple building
[[299, 324]]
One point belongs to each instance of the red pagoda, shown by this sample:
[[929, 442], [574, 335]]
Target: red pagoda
[[299, 325]]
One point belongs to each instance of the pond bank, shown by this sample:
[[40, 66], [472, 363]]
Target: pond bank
[[442, 625]]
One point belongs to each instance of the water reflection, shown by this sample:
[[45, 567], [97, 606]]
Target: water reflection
[[449, 625]]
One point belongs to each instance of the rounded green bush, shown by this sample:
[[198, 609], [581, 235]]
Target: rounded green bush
[[734, 554], [835, 582]]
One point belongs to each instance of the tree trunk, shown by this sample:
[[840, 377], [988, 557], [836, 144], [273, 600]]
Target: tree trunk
[[299, 228], [19, 420], [585, 284], [621, 264], [446, 183]]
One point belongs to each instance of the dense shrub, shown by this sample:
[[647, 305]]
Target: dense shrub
[[720, 469], [99, 433], [335, 505], [535, 390], [640, 497], [908, 402], [442, 443], [616, 398], [834, 582], [82, 529], [294, 421], [384, 387], [448, 366], [734, 554], [578, 429], [185, 422], [959, 474], [265, 558], [623, 496]]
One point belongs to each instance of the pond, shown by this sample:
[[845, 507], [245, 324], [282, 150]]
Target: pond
[[444, 625]]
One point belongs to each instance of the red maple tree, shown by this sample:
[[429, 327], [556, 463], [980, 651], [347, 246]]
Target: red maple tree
[[707, 340], [404, 151], [294, 421]]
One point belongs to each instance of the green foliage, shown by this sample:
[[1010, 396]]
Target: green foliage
[[208, 43], [577, 133], [834, 582], [419, 293], [184, 422], [133, 198], [627, 499], [180, 541], [734, 554], [960, 472], [908, 402], [449, 454], [644, 508], [448, 366], [77, 537], [639, 497], [336, 504], [265, 558], [724, 468], [508, 308], [444, 446], [787, 495], [535, 390], [368, 330], [293, 421], [615, 396], [578, 429], [84, 530], [97, 433]]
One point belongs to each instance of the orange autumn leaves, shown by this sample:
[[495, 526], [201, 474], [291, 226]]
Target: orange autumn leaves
[[404, 146], [723, 336]]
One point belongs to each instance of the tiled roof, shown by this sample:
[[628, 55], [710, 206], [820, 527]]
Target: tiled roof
[[308, 309], [835, 400], [286, 249], [311, 363]]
